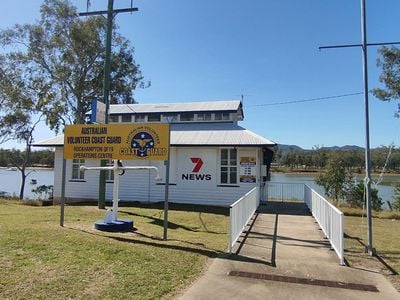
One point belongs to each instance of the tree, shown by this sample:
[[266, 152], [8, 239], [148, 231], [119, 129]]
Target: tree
[[335, 179], [320, 156], [396, 198], [390, 77], [356, 197], [20, 113], [52, 71], [64, 56]]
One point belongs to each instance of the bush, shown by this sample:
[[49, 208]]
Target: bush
[[44, 191], [396, 198], [356, 197], [335, 179]]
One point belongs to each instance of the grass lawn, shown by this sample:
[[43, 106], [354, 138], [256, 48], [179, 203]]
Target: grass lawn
[[41, 260], [385, 239]]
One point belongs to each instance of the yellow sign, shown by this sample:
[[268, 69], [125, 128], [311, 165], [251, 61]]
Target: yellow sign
[[117, 141]]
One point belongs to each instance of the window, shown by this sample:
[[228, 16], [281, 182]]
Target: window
[[109, 173], [187, 117], [77, 173], [170, 118], [153, 118], [113, 119], [222, 116], [140, 118], [126, 118], [204, 117], [228, 166]]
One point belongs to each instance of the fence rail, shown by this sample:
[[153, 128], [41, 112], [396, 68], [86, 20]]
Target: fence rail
[[329, 218], [283, 191], [240, 214]]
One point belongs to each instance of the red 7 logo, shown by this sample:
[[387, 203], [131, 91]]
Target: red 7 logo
[[199, 163]]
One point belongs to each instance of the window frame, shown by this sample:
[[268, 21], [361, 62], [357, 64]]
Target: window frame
[[141, 120], [126, 118], [222, 116], [75, 167], [229, 167], [113, 118], [154, 115], [189, 115], [204, 116]]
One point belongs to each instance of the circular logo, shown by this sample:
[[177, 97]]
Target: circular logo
[[142, 141]]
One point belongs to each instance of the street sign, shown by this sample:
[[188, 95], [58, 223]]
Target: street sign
[[117, 141]]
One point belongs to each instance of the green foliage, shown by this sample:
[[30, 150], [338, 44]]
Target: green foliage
[[352, 159], [44, 191], [58, 64], [356, 197], [11, 157], [390, 77], [335, 179], [396, 198]]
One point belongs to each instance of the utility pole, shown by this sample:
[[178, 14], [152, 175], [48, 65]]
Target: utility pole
[[110, 12], [364, 45]]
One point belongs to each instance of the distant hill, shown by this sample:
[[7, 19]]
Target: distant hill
[[345, 148], [287, 148]]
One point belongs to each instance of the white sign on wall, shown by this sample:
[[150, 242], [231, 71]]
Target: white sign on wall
[[197, 166], [248, 172]]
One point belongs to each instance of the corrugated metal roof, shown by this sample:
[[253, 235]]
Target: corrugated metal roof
[[231, 105], [221, 134], [205, 134]]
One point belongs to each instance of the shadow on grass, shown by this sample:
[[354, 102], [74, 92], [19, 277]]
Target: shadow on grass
[[160, 222], [378, 257], [218, 210], [211, 253]]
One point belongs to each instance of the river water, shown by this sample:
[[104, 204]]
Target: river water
[[385, 192], [10, 182]]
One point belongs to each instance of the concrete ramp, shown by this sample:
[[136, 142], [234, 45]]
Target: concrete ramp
[[283, 255]]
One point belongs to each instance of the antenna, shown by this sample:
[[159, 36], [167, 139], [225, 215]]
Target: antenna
[[111, 13], [367, 181]]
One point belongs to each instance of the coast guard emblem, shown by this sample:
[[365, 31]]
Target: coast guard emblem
[[142, 141]]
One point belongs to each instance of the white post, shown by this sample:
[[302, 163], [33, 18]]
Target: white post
[[115, 168], [115, 190]]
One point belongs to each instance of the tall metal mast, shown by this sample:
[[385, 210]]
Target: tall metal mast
[[364, 45], [106, 83]]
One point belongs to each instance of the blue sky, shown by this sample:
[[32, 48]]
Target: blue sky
[[266, 50]]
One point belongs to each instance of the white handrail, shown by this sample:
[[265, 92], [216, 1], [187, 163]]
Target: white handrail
[[329, 218], [240, 214]]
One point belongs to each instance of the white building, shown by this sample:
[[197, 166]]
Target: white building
[[213, 160]]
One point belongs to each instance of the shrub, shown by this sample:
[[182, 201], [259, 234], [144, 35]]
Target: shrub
[[356, 197]]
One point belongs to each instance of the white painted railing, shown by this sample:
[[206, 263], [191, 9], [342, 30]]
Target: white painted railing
[[283, 191], [240, 214], [329, 218]]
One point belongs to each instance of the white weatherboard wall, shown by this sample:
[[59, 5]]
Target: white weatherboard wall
[[186, 186]]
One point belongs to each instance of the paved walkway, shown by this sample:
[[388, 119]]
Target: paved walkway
[[285, 256]]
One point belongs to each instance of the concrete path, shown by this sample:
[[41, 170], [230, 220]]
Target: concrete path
[[284, 256]]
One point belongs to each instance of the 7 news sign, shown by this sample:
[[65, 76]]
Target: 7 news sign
[[196, 173]]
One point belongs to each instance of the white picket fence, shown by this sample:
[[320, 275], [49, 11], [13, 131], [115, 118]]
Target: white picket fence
[[240, 214], [329, 218]]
